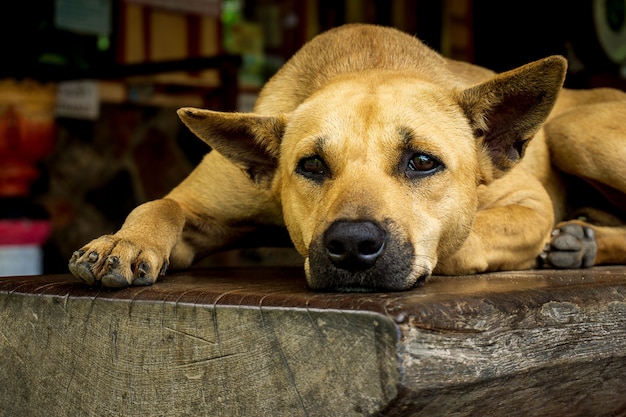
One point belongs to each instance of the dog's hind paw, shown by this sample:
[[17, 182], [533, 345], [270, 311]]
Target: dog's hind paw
[[573, 245], [116, 263]]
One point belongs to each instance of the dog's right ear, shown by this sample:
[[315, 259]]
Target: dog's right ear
[[249, 140], [508, 109]]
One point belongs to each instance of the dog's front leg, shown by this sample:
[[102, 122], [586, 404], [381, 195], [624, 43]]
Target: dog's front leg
[[495, 245], [214, 208], [511, 228]]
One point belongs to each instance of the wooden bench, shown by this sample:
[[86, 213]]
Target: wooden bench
[[257, 342]]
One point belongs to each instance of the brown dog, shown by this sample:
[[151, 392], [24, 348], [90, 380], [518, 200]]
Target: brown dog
[[387, 163]]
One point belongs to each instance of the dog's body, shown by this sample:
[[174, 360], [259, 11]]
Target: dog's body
[[386, 163]]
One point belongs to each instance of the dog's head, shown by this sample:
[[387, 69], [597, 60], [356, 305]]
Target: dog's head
[[377, 173]]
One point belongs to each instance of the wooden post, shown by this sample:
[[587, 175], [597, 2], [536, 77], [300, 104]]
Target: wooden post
[[242, 342]]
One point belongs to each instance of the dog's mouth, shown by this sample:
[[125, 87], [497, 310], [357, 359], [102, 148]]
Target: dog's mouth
[[361, 256], [378, 288]]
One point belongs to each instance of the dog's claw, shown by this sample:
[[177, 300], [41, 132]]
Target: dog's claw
[[113, 262], [82, 269], [143, 270], [572, 246], [142, 276], [164, 267], [83, 272]]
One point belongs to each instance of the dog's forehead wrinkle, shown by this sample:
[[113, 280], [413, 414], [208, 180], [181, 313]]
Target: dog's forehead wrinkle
[[406, 133], [320, 144], [413, 140]]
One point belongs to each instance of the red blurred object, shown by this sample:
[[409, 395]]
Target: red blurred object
[[23, 232], [26, 132]]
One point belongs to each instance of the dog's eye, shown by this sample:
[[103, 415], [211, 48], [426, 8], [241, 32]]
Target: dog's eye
[[421, 164], [312, 167]]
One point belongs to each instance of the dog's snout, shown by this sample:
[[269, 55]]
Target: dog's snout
[[354, 245]]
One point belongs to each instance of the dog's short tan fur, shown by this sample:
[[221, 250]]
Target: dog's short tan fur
[[387, 163]]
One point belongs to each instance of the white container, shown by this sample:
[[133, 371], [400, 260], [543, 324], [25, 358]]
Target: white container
[[20, 260], [20, 246]]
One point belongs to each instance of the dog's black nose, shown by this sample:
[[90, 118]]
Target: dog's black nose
[[354, 245]]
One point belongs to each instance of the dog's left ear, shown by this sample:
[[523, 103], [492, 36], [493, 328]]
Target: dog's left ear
[[250, 141], [507, 110]]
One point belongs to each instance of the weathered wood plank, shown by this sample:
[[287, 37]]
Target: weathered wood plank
[[257, 342], [169, 353], [557, 349]]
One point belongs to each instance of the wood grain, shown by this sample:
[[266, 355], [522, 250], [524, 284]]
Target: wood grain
[[242, 342]]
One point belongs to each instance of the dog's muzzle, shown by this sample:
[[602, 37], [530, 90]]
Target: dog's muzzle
[[360, 255]]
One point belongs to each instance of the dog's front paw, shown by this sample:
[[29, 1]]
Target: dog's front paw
[[114, 262], [573, 245]]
